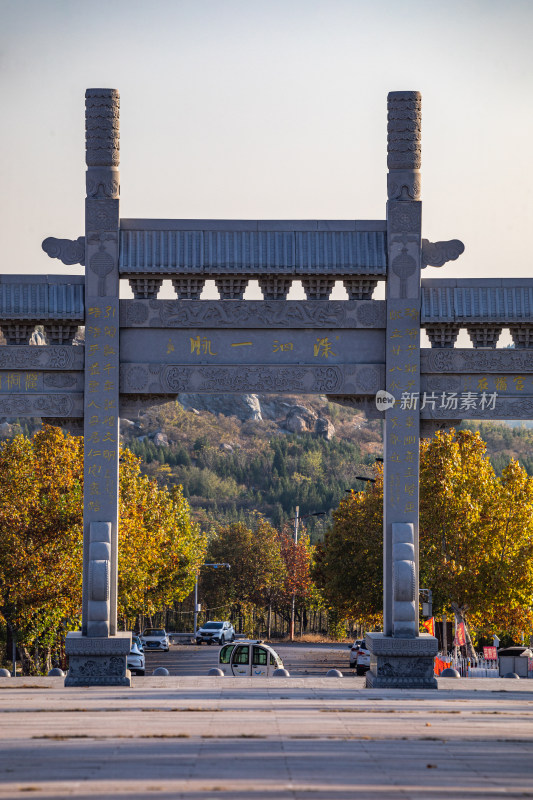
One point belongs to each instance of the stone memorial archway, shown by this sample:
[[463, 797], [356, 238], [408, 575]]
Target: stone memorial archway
[[147, 350]]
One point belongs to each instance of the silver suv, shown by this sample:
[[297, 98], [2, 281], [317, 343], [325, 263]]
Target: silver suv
[[215, 633]]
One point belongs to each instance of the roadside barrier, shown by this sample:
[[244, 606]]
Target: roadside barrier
[[484, 668]]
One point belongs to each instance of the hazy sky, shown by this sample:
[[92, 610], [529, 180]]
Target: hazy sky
[[270, 109]]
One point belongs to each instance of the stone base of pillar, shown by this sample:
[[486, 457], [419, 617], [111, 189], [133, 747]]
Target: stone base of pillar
[[98, 661], [401, 663]]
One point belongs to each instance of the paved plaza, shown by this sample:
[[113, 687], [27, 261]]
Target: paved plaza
[[200, 737]]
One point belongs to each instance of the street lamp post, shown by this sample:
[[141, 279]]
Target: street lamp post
[[293, 603], [297, 519], [197, 606]]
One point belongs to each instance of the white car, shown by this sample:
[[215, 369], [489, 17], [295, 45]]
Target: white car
[[354, 649], [215, 633], [136, 660], [363, 660], [155, 639], [249, 658]]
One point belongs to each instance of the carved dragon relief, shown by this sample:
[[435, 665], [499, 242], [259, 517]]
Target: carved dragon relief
[[436, 254]]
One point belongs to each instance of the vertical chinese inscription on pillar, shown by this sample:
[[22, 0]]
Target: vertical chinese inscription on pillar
[[402, 427], [101, 398]]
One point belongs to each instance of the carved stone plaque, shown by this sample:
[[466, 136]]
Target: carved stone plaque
[[252, 313], [324, 379], [49, 357], [210, 346], [41, 405]]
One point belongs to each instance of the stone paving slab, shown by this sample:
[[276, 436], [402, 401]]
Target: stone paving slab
[[278, 738]]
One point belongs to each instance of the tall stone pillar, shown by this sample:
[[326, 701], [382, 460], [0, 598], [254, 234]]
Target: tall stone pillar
[[400, 655], [97, 654]]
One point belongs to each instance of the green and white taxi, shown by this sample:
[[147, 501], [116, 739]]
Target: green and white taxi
[[249, 658]]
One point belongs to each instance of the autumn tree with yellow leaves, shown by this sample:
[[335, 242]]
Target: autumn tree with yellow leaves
[[476, 534], [476, 540], [266, 569], [41, 506]]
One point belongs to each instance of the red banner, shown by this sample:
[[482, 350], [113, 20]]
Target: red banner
[[460, 636], [429, 625], [490, 653]]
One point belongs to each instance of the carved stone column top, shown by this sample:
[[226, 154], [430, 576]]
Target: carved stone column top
[[404, 130], [102, 127]]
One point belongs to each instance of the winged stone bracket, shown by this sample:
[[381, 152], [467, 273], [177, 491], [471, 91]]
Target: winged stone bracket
[[99, 577], [436, 254], [69, 251], [403, 580]]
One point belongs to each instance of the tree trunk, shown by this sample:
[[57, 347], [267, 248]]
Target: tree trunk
[[269, 620], [9, 643], [28, 667], [36, 657]]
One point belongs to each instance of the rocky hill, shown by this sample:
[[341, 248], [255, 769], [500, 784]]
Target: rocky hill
[[236, 455]]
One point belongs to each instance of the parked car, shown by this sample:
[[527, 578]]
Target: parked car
[[155, 639], [249, 658], [136, 660], [215, 633], [354, 649], [363, 660], [138, 641]]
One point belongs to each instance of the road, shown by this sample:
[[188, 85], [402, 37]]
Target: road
[[300, 659], [200, 738]]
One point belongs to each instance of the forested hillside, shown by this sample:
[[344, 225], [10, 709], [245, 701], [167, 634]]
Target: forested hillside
[[230, 468], [235, 456]]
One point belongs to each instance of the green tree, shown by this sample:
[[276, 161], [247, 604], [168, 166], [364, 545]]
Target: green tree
[[257, 569], [349, 566]]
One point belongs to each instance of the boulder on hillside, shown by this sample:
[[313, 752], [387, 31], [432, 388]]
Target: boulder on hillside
[[300, 420], [5, 430], [126, 423], [243, 406], [324, 428], [161, 439], [274, 407], [296, 424]]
